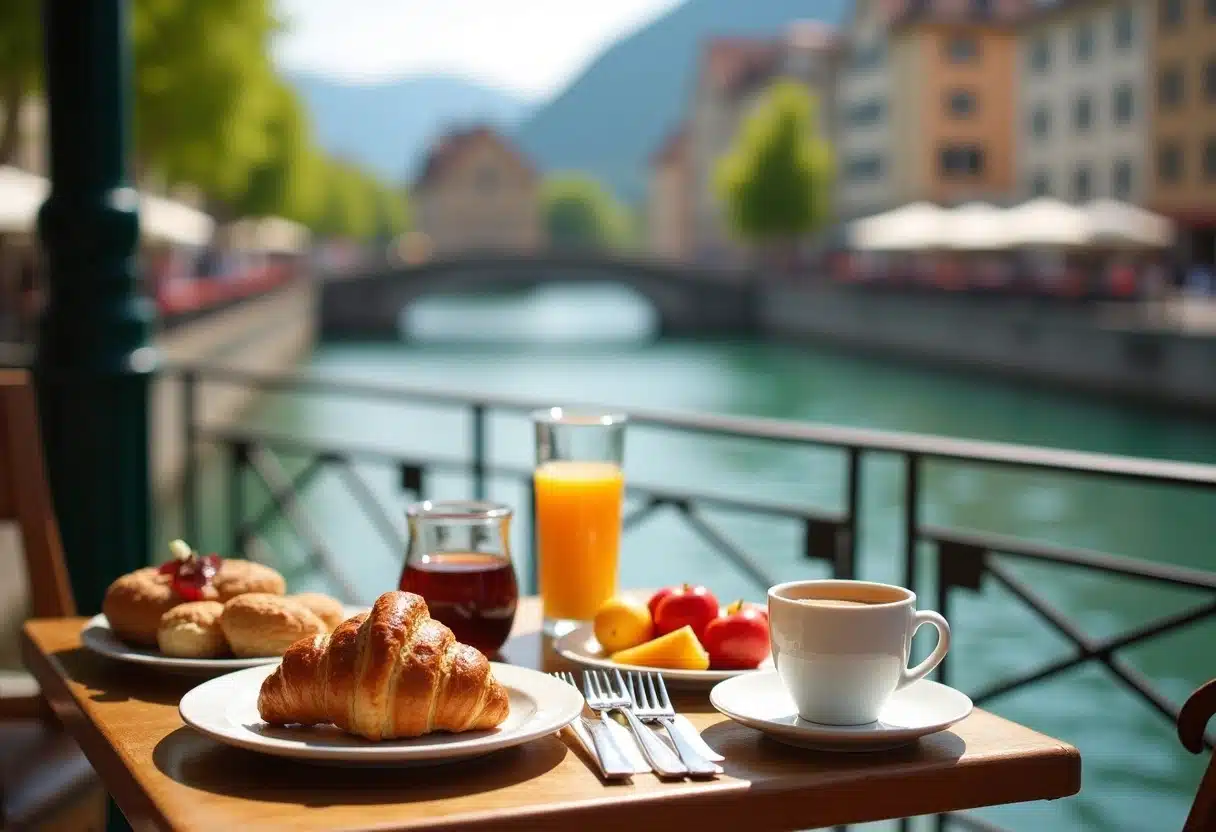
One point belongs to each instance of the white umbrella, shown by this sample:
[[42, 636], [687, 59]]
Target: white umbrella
[[166, 221], [1118, 223], [1047, 222], [918, 225], [977, 226], [270, 235], [21, 194]]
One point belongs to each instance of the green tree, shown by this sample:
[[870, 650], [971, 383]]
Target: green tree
[[287, 182], [391, 209], [20, 61], [205, 91], [581, 213], [348, 208], [777, 179]]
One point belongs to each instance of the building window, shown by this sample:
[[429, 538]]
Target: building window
[[1083, 42], [865, 168], [1125, 27], [1124, 104], [1082, 183], [1040, 121], [962, 50], [1083, 112], [1040, 54], [1209, 80], [961, 160], [1169, 162], [866, 112], [1209, 159], [981, 8], [1170, 90], [1040, 184], [1210, 6], [960, 103], [868, 55], [1169, 12], [1121, 181]]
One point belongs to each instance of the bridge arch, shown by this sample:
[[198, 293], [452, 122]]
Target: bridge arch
[[368, 304]]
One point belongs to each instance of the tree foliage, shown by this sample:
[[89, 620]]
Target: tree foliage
[[20, 58], [581, 213], [210, 112], [777, 179]]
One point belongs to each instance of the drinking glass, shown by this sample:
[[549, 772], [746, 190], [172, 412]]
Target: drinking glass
[[579, 486], [459, 560]]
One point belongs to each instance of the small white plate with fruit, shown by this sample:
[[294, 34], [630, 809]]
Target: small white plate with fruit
[[680, 631]]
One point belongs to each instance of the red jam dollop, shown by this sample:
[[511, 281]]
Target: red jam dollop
[[190, 571]]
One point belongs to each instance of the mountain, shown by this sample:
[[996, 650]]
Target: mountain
[[388, 126], [611, 118]]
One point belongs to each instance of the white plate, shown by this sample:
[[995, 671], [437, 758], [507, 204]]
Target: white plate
[[579, 646], [226, 709], [760, 701], [98, 637]]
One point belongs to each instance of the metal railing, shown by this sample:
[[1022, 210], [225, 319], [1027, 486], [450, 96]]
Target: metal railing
[[961, 560]]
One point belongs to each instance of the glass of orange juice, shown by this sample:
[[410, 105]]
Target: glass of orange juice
[[579, 487]]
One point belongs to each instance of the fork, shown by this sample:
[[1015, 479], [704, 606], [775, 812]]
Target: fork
[[652, 704], [612, 760], [604, 696]]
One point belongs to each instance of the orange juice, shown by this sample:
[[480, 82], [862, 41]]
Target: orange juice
[[578, 533]]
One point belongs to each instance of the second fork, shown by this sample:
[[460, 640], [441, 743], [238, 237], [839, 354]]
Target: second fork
[[602, 694]]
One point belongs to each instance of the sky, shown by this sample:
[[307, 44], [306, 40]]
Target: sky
[[531, 47]]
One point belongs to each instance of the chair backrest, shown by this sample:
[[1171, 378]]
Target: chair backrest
[[1192, 723], [25, 497]]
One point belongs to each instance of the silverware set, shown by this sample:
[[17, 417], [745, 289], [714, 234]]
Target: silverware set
[[642, 699]]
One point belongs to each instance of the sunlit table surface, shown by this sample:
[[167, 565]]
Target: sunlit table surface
[[164, 775]]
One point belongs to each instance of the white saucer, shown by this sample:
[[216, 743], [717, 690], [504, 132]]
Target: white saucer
[[99, 638], [579, 646], [226, 709], [760, 701]]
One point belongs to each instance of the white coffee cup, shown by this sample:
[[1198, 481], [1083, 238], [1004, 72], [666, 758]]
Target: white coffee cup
[[841, 647]]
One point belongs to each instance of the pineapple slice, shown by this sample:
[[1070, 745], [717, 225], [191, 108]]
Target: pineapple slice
[[678, 650]]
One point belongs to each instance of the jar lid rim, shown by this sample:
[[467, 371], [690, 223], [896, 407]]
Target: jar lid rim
[[459, 510]]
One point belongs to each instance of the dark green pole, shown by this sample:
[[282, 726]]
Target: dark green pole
[[94, 363]]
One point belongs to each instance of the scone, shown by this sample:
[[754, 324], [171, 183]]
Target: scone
[[192, 631], [259, 624], [329, 610], [135, 602], [240, 577]]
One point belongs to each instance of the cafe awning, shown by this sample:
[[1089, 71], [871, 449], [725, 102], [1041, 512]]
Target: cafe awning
[[1119, 224], [976, 226], [1047, 223], [912, 227]]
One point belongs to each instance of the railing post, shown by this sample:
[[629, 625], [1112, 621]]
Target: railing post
[[846, 564], [238, 460], [478, 442], [190, 483], [911, 518], [533, 586]]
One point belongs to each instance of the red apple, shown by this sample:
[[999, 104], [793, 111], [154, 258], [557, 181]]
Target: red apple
[[738, 639], [694, 606], [653, 603]]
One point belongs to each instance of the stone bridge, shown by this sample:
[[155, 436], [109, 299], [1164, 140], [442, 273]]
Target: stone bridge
[[367, 303]]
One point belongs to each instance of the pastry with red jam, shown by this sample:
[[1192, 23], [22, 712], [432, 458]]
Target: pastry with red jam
[[135, 603]]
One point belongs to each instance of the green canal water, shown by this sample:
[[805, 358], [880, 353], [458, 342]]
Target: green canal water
[[589, 345]]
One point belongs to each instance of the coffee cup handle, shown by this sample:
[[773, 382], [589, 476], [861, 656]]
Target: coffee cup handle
[[919, 618]]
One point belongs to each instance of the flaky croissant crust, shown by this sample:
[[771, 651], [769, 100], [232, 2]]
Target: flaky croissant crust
[[393, 672]]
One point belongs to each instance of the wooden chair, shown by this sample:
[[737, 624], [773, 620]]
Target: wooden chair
[[1192, 723], [45, 781]]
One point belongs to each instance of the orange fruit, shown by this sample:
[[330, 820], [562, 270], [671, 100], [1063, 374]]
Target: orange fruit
[[678, 650]]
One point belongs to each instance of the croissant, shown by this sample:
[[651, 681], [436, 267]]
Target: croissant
[[390, 673]]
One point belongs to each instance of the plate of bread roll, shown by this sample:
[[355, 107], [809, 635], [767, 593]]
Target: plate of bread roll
[[204, 614], [388, 687]]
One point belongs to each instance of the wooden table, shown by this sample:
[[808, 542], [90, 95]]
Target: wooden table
[[163, 775]]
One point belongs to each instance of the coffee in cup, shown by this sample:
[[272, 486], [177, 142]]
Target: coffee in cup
[[841, 647]]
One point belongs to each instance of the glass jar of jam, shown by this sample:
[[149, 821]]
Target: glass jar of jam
[[459, 560]]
